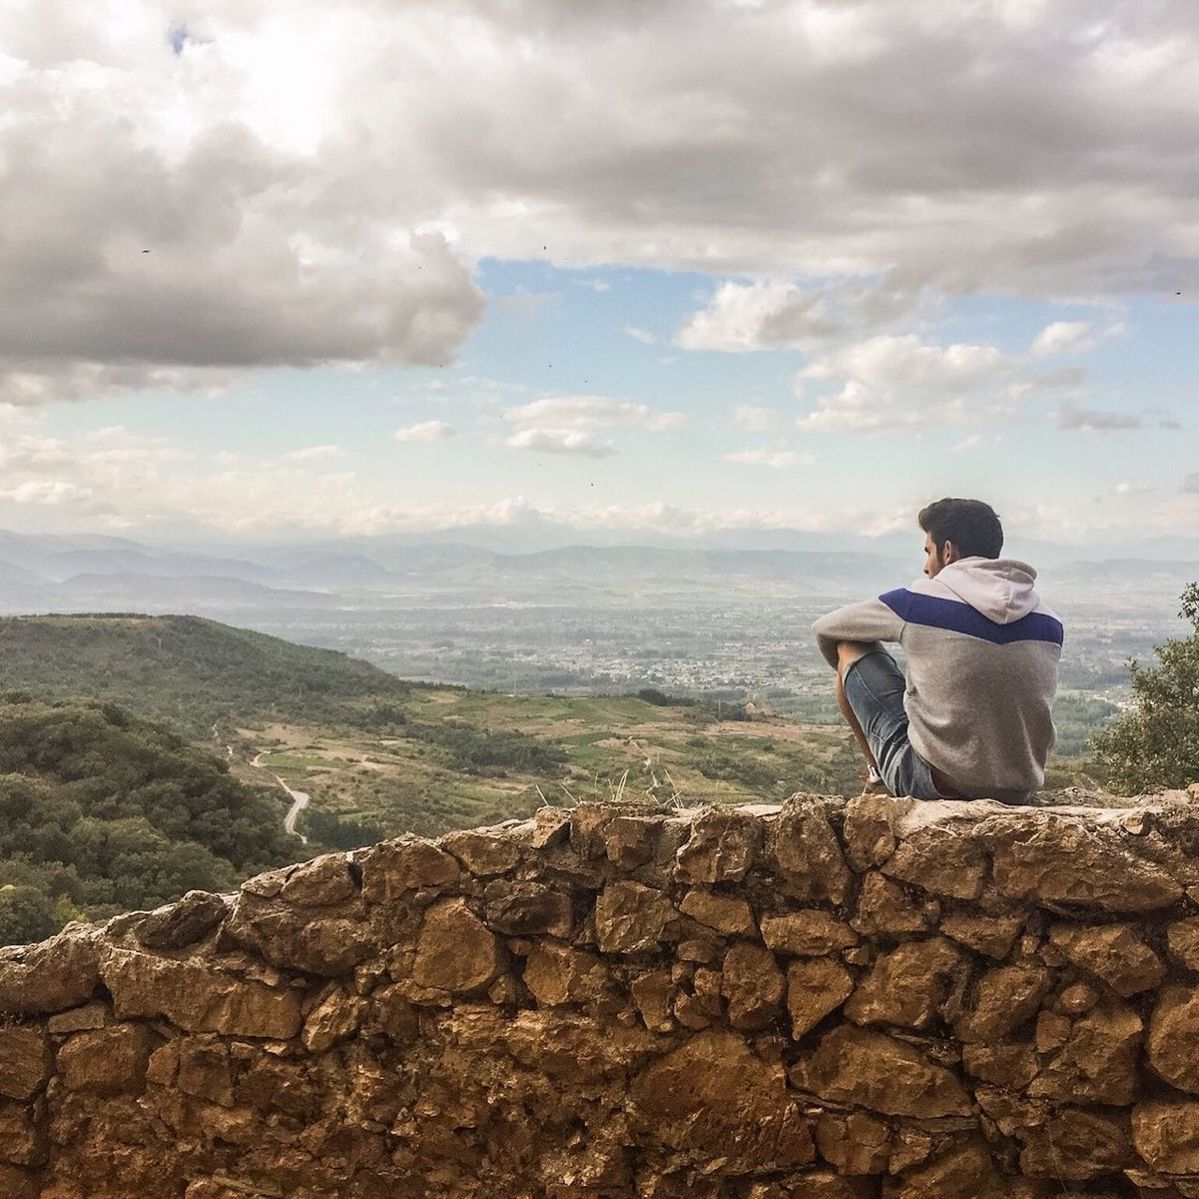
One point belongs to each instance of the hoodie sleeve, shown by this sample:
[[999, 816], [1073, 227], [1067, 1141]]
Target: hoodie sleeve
[[872, 620]]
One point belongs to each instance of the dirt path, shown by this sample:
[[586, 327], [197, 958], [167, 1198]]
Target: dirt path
[[299, 800]]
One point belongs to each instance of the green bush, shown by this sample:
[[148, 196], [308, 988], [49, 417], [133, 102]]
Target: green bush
[[101, 812], [1157, 743]]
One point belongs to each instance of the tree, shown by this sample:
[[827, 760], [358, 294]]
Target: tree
[[1157, 743], [25, 915]]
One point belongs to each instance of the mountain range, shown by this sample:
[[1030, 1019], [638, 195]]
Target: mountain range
[[97, 573]]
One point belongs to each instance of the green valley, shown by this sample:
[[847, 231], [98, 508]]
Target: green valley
[[142, 756]]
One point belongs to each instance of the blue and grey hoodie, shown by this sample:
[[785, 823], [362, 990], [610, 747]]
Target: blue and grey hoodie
[[982, 659]]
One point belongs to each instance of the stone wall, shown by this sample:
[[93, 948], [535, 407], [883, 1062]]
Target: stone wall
[[835, 1000]]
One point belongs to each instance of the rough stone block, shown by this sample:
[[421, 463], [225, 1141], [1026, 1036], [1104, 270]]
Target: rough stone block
[[396, 868], [1076, 1145], [1173, 1041], [483, 853], [557, 974], [992, 936], [25, 1061], [1166, 1134], [1003, 999], [878, 1072], [107, 1061], [804, 851], [1113, 952], [455, 951], [713, 1091], [815, 989], [60, 973], [753, 985], [885, 907], [197, 997], [726, 914], [1071, 861], [182, 923], [632, 918], [524, 909], [807, 934], [910, 985], [1098, 1062], [724, 844]]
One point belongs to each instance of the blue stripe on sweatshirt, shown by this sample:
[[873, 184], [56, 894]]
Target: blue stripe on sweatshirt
[[936, 612]]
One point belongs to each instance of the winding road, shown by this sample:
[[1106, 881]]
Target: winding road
[[299, 800]]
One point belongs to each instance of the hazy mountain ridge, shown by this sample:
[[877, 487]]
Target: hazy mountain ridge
[[61, 573]]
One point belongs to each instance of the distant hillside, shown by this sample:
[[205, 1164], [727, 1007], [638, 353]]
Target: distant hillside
[[101, 812], [190, 672]]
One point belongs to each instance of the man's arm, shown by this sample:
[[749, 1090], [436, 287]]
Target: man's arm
[[871, 620]]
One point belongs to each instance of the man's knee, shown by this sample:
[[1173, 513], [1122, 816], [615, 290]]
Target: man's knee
[[848, 652]]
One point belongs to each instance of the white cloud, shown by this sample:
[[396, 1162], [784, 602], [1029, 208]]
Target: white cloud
[[1134, 488], [429, 430], [561, 441], [313, 184], [1071, 337], [772, 458], [591, 412], [643, 336], [758, 316], [47, 491], [1063, 337], [171, 225], [893, 382], [314, 453]]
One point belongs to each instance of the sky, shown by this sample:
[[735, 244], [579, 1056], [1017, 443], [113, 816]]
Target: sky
[[307, 270]]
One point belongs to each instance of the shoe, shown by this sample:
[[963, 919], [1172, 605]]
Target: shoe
[[874, 784]]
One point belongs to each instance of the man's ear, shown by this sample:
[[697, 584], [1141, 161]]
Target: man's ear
[[949, 553]]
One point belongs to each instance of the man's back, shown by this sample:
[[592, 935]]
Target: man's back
[[982, 659]]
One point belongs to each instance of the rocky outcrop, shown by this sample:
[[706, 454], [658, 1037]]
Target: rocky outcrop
[[872, 999]]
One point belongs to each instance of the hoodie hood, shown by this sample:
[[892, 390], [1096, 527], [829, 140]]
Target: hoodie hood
[[1000, 588]]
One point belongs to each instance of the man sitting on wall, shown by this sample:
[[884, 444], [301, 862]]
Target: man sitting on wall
[[973, 718]]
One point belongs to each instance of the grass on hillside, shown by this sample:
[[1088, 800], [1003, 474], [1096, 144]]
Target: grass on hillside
[[188, 672]]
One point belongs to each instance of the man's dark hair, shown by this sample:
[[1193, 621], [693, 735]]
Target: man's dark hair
[[970, 524]]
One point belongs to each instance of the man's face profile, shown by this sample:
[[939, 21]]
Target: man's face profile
[[933, 561]]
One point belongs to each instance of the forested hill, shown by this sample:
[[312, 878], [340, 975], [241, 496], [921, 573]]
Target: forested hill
[[101, 812], [190, 672]]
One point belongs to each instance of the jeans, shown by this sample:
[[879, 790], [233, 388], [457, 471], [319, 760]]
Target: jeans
[[875, 686]]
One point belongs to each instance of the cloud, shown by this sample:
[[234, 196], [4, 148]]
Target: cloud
[[641, 335], [1094, 420], [591, 412], [162, 228], [758, 316], [1133, 489], [429, 430], [1072, 337], [772, 458], [52, 492], [895, 382], [757, 419], [314, 184], [1063, 337], [314, 453], [561, 441]]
